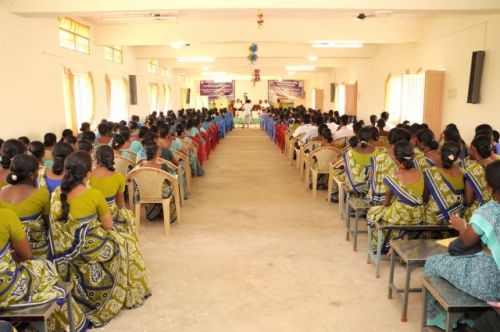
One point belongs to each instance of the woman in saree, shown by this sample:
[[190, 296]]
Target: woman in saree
[[427, 144], [476, 192], [383, 165], [196, 167], [10, 149], [51, 177], [477, 274], [445, 186], [451, 133], [403, 202], [357, 160], [29, 203], [25, 282], [85, 248], [112, 186], [155, 210]]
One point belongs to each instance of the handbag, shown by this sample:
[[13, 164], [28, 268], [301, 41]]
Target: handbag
[[457, 247]]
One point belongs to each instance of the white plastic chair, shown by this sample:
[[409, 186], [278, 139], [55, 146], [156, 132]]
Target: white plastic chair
[[324, 156], [149, 182]]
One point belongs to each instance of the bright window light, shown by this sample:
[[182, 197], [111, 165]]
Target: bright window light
[[337, 43], [313, 58], [186, 59], [177, 44]]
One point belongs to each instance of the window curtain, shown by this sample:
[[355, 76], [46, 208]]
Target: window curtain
[[108, 92], [69, 99], [118, 110], [340, 99], [412, 97], [163, 97], [387, 92], [127, 95], [90, 79], [394, 101], [153, 97]]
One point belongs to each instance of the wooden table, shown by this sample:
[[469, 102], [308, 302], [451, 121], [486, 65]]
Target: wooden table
[[37, 315], [414, 253], [381, 226], [454, 301]]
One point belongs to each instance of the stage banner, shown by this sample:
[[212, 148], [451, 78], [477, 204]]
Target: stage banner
[[217, 90], [286, 89]]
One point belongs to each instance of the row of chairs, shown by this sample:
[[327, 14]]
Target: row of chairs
[[412, 252], [149, 182]]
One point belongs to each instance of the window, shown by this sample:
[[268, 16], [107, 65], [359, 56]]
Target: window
[[405, 97], [113, 53], [83, 97], [340, 99], [153, 97], [118, 100], [73, 35], [153, 66]]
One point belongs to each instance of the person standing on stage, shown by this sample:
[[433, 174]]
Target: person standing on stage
[[247, 113], [265, 106]]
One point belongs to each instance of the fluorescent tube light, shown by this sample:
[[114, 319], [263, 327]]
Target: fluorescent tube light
[[300, 68], [313, 58], [186, 59], [177, 44], [337, 43]]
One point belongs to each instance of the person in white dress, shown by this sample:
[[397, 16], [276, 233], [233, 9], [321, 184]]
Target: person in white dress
[[247, 113]]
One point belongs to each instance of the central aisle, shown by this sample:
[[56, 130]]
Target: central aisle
[[256, 252]]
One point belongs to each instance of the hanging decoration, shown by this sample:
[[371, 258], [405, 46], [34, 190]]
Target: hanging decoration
[[260, 18], [253, 48], [256, 76]]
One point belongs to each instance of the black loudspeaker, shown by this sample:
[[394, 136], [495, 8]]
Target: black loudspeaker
[[476, 71], [332, 92], [132, 84], [188, 96]]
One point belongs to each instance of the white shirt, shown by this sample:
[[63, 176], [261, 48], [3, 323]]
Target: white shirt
[[332, 126], [247, 109], [266, 105], [342, 132], [302, 129], [311, 132], [238, 106]]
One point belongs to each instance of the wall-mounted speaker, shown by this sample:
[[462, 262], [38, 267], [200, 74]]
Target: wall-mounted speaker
[[132, 84], [476, 71], [188, 96], [332, 92]]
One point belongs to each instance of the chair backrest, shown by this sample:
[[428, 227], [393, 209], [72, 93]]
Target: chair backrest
[[324, 156], [150, 181], [132, 154], [169, 164], [123, 165], [341, 142], [180, 156]]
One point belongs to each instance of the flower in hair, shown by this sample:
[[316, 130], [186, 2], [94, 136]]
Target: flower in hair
[[13, 177], [407, 158], [451, 157]]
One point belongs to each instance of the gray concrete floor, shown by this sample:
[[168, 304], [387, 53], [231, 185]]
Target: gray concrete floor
[[256, 252]]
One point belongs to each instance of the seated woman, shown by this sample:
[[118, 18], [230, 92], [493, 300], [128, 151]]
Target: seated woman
[[25, 282], [85, 127], [105, 134], [37, 149], [155, 211], [403, 202], [52, 177], [10, 149], [165, 142], [49, 139], [426, 143], [451, 133], [87, 250], [29, 203], [196, 167], [383, 165], [445, 185], [476, 192], [132, 145], [477, 274], [117, 144], [357, 160]]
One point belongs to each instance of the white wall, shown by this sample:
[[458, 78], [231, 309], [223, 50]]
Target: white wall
[[31, 86], [447, 44]]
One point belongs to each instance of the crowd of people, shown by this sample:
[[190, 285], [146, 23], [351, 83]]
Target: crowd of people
[[64, 217], [411, 176]]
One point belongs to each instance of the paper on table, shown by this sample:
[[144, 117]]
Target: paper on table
[[446, 242]]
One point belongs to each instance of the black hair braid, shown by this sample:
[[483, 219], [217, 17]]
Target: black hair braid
[[403, 151], [449, 153], [482, 143], [106, 157], [60, 152], [10, 149], [77, 165]]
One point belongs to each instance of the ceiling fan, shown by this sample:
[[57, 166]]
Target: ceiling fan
[[134, 17]]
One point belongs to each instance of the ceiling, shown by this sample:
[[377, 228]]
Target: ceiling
[[224, 29]]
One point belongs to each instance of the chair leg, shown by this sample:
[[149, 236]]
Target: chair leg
[[166, 215], [137, 217], [330, 189], [314, 183], [177, 200], [308, 179]]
